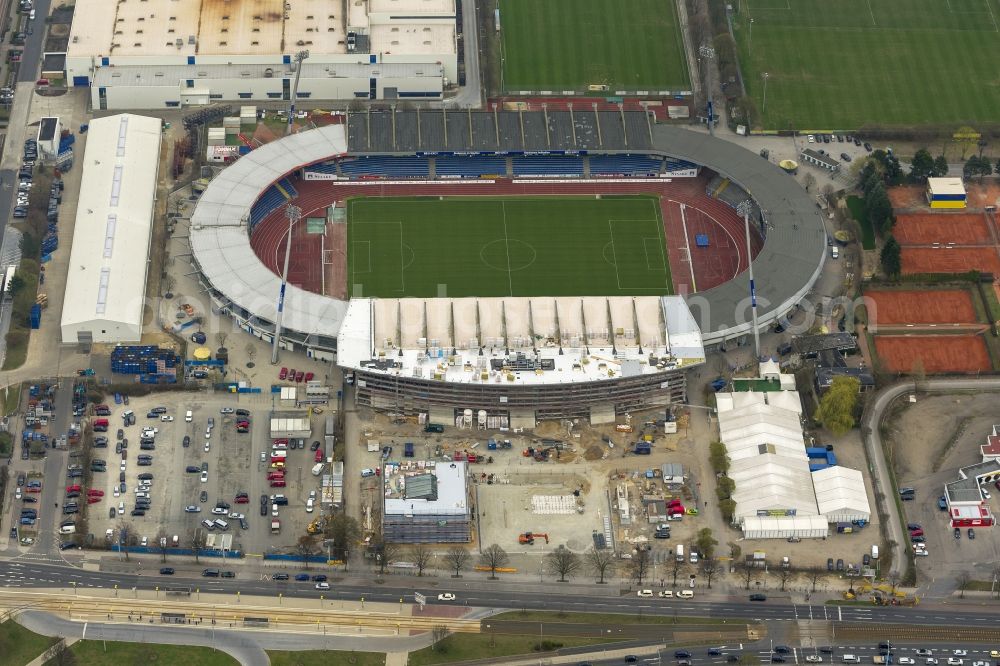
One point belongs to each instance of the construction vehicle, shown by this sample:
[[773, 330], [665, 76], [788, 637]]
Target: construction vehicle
[[528, 538]]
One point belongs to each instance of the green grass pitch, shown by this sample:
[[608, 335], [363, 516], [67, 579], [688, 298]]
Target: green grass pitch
[[570, 44], [509, 246], [845, 64]]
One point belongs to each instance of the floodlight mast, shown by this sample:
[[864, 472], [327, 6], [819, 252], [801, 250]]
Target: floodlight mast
[[294, 214], [299, 59]]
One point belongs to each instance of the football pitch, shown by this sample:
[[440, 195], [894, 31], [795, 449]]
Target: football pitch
[[571, 44], [847, 64], [507, 246]]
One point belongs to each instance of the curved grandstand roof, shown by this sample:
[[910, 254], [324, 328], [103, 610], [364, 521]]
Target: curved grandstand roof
[[785, 270], [220, 240], [793, 254]]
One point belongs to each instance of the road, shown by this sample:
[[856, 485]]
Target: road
[[876, 453], [51, 572], [470, 95]]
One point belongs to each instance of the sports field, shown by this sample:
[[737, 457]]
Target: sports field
[[508, 246], [563, 45], [850, 63]]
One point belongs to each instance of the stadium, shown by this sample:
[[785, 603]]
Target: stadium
[[531, 265]]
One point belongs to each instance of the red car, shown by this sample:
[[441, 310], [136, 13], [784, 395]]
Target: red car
[[93, 492], [283, 373], [298, 376], [242, 499], [73, 489], [278, 474], [916, 533], [319, 455], [291, 374], [93, 499], [278, 483], [309, 376], [33, 489], [280, 442]]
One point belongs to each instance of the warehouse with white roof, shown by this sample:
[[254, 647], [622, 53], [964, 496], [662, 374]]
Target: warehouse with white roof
[[106, 282]]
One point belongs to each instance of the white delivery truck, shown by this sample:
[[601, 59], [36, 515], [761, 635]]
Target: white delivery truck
[[680, 552]]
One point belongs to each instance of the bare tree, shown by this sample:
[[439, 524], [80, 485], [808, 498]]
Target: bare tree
[[386, 553], [305, 548], [495, 558], [601, 562], [734, 551], [784, 574], [251, 352], [421, 555], [438, 634], [963, 583], [677, 564], [814, 575], [747, 570], [808, 181], [564, 562], [893, 579], [196, 538], [342, 531], [709, 569], [162, 543], [639, 565], [220, 338], [125, 536], [60, 655], [457, 558]]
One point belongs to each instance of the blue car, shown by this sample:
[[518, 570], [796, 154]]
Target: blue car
[[301, 576], [321, 578], [942, 503]]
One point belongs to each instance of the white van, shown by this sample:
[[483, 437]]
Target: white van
[[67, 529], [188, 416], [850, 659], [874, 552], [221, 524], [209, 525], [310, 503], [694, 556], [317, 469], [834, 251]]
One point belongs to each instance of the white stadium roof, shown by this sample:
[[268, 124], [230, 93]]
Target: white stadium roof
[[221, 242], [106, 282]]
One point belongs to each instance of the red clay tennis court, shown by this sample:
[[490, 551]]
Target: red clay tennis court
[[937, 353], [912, 306], [950, 260], [929, 228]]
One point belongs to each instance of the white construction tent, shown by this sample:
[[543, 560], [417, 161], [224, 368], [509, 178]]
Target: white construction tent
[[840, 494], [783, 527], [776, 495], [106, 280]]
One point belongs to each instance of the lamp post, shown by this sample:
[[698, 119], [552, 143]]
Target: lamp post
[[763, 106]]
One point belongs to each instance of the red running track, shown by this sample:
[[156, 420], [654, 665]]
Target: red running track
[[692, 268]]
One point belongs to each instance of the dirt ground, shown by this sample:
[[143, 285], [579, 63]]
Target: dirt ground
[[929, 440]]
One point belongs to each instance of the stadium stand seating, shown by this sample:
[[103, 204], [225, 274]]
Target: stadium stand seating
[[270, 201], [325, 167], [676, 165], [470, 167], [627, 165], [547, 165], [286, 188], [390, 167]]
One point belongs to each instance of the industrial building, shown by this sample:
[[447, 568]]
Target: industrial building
[[106, 282], [163, 53], [426, 502], [779, 492], [526, 358], [964, 499]]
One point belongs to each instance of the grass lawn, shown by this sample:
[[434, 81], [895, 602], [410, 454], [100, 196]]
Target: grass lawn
[[529, 246], [459, 647], [325, 658], [19, 646], [12, 398], [571, 44], [846, 64], [93, 653], [859, 211], [601, 618]]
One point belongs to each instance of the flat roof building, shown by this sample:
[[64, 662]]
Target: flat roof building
[[106, 282], [426, 502], [946, 193]]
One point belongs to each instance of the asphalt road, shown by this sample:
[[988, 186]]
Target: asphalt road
[[53, 572]]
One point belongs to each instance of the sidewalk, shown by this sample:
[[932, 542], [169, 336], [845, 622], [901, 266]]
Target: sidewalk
[[41, 659]]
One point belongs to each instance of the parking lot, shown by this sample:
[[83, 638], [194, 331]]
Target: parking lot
[[179, 500], [930, 440]]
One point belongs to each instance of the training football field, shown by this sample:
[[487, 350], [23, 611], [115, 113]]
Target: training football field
[[850, 63], [571, 44], [511, 246]]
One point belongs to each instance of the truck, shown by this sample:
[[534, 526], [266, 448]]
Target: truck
[[642, 449], [680, 552], [275, 526], [880, 659]]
